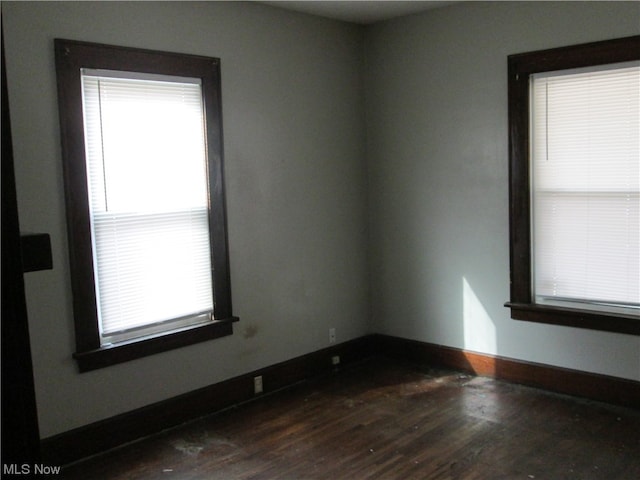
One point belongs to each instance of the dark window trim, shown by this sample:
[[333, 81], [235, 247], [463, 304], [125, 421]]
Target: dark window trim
[[131, 350], [520, 67], [71, 56]]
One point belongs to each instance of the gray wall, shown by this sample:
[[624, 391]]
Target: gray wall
[[296, 190], [320, 208], [438, 177]]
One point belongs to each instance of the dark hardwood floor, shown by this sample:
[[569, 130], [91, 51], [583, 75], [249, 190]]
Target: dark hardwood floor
[[388, 420]]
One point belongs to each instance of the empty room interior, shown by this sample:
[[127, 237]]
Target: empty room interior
[[377, 310]]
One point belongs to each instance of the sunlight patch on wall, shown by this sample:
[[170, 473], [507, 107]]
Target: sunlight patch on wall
[[479, 330]]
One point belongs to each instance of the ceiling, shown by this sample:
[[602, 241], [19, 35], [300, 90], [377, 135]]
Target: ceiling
[[359, 11]]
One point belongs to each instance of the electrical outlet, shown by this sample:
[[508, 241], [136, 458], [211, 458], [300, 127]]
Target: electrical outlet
[[332, 335], [335, 360], [257, 384]]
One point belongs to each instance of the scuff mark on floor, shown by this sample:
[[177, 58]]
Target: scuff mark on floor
[[195, 444], [188, 448]]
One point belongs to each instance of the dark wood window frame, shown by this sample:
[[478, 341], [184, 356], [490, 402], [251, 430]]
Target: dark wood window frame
[[72, 56], [520, 68]]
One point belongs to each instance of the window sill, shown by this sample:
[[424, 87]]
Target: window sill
[[126, 351], [570, 317]]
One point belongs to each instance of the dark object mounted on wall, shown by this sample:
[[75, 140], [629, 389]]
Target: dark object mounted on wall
[[36, 252]]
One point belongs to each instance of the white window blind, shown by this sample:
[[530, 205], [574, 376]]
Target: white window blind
[[585, 150], [146, 163]]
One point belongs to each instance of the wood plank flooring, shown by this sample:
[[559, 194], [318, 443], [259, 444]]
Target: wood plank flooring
[[384, 419]]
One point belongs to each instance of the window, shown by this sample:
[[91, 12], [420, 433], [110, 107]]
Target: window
[[574, 141], [142, 154]]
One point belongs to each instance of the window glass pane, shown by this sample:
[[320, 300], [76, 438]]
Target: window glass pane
[[146, 144], [586, 184], [148, 193]]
